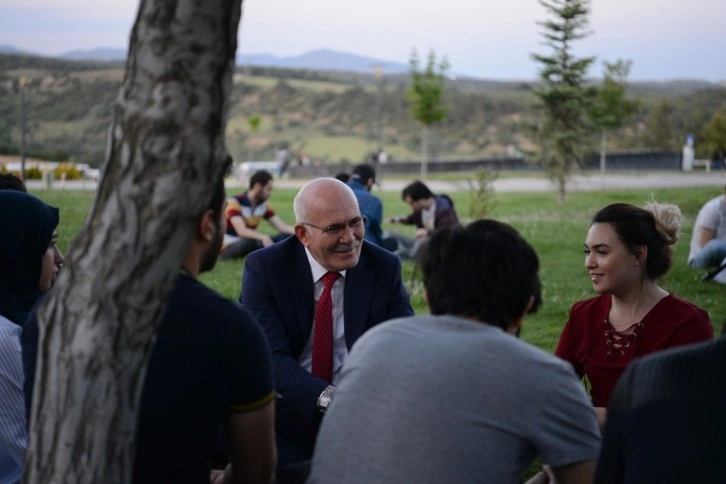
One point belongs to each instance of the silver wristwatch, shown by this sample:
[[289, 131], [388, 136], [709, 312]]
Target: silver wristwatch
[[325, 398]]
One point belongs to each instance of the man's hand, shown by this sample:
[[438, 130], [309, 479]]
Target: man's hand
[[421, 234], [216, 476], [266, 241]]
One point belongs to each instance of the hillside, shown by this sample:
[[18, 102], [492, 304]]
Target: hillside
[[329, 115]]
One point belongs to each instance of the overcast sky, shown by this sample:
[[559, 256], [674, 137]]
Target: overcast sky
[[665, 39]]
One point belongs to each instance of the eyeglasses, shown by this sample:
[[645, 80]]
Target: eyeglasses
[[335, 229]]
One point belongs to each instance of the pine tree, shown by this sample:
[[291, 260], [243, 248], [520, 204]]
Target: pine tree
[[564, 99]]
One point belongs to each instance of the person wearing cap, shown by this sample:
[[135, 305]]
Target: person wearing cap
[[361, 181]]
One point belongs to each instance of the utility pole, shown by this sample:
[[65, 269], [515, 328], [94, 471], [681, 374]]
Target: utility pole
[[378, 72], [22, 82]]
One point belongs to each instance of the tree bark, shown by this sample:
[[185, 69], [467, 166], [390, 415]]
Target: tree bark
[[165, 150]]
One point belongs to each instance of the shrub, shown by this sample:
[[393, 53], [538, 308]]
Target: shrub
[[69, 170], [482, 194]]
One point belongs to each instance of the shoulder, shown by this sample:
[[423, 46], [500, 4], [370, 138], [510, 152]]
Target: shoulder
[[695, 370], [587, 306], [677, 308], [9, 334], [281, 253], [444, 201], [373, 255], [192, 300], [713, 206]]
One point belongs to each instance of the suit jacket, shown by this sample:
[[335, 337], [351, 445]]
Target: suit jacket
[[277, 290]]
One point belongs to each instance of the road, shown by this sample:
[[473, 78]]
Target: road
[[576, 183]]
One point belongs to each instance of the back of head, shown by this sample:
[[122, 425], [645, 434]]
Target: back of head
[[8, 181], [485, 271], [27, 228], [342, 176], [417, 190], [656, 226], [262, 177], [362, 173]]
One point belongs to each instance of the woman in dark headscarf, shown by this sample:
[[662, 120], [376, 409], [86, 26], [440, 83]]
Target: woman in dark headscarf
[[29, 262], [29, 258]]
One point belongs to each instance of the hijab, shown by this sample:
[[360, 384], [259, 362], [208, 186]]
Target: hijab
[[26, 229]]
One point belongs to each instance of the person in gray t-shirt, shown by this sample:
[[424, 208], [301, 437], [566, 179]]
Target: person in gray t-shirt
[[456, 397]]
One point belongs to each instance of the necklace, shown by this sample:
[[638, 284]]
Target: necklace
[[620, 337]]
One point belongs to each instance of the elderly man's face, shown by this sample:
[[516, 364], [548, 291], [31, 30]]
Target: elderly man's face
[[334, 230]]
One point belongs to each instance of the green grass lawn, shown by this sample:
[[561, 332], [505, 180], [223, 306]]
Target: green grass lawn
[[556, 232]]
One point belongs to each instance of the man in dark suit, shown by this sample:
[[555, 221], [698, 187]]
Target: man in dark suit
[[286, 287]]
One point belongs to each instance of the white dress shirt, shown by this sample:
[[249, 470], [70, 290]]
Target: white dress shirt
[[340, 350]]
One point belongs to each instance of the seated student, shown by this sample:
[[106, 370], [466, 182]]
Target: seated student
[[361, 181], [708, 242], [29, 262], [667, 419], [244, 213], [627, 250], [430, 212], [456, 396], [209, 367]]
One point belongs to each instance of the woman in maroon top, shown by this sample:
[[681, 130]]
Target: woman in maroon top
[[627, 250]]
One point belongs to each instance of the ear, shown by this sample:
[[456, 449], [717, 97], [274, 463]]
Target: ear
[[206, 227], [302, 234], [641, 254], [515, 325]]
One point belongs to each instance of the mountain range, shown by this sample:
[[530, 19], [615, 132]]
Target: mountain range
[[319, 59]]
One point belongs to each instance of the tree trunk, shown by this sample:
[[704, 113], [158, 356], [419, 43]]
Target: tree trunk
[[603, 148], [562, 188], [424, 151], [165, 149]]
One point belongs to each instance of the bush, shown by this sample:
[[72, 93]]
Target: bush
[[482, 194], [33, 173], [69, 170]]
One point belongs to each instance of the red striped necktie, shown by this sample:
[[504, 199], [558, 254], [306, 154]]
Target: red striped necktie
[[323, 334]]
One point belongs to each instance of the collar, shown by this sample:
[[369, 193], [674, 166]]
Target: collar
[[317, 269]]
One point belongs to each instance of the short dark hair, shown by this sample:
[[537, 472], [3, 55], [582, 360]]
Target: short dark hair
[[8, 181], [655, 226], [485, 270], [363, 173], [262, 177], [417, 190], [342, 176]]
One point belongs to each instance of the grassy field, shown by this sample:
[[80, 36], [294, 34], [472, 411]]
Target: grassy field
[[556, 232]]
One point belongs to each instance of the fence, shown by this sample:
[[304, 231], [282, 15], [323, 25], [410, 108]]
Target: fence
[[641, 160]]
